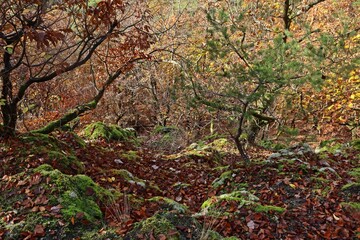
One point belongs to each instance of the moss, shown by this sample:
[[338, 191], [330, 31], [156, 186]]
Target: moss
[[77, 194], [64, 199], [268, 208], [180, 185], [27, 224], [57, 152], [356, 144], [351, 188], [130, 155], [170, 204], [355, 173], [352, 205], [154, 226], [222, 179], [75, 204], [214, 150], [100, 130], [165, 129], [129, 177], [174, 226], [63, 161], [242, 197], [320, 180], [104, 234]]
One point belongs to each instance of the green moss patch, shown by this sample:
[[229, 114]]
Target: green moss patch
[[50, 202], [56, 152], [99, 130], [355, 173], [167, 225], [214, 150], [129, 177], [354, 206], [216, 206], [352, 188], [225, 176], [131, 155], [170, 204], [269, 208]]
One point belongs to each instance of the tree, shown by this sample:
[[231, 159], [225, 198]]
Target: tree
[[42, 40], [258, 51]]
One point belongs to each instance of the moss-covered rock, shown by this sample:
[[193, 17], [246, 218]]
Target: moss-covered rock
[[154, 227], [129, 177], [215, 206], [130, 155], [99, 130], [172, 226], [56, 152], [222, 179], [63, 206], [169, 204], [242, 197], [214, 150]]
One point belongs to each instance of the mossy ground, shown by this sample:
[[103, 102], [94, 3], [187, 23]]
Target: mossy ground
[[62, 204], [41, 148], [99, 130], [238, 199]]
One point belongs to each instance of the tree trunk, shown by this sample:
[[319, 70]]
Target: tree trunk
[[9, 113], [241, 148], [8, 106]]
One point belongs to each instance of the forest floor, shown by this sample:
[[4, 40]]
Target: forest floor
[[203, 192]]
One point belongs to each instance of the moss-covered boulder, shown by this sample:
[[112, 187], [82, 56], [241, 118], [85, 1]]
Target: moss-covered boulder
[[169, 204], [100, 130], [218, 205], [214, 150], [58, 153], [168, 225], [173, 226], [128, 177], [44, 202]]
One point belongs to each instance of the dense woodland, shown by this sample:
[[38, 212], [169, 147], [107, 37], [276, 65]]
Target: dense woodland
[[186, 119]]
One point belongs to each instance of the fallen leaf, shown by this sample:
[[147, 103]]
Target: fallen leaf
[[39, 231], [251, 225]]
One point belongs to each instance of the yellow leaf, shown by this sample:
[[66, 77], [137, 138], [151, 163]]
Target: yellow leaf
[[110, 180], [292, 185]]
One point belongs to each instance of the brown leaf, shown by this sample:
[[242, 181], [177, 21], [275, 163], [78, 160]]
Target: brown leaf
[[39, 231], [79, 215]]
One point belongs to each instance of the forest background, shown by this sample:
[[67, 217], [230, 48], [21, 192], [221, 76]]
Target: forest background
[[260, 75]]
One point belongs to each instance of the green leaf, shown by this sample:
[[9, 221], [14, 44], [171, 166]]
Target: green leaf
[[9, 49]]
